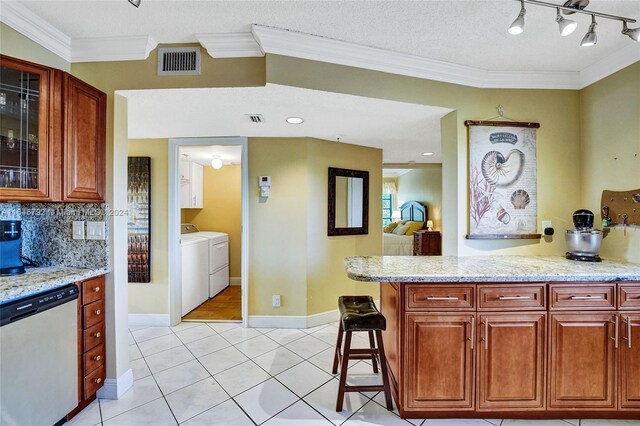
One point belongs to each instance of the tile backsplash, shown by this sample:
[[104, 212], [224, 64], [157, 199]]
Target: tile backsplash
[[46, 233]]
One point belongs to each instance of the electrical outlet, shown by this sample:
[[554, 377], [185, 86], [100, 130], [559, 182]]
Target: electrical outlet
[[275, 300], [78, 230]]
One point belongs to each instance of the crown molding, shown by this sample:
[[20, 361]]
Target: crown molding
[[613, 63], [35, 28], [306, 46], [102, 49], [230, 45]]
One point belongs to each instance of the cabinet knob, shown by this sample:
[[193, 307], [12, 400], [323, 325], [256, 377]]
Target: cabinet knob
[[98, 380], [98, 334], [96, 289], [97, 357], [97, 311]]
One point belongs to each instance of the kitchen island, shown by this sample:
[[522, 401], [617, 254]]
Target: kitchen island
[[509, 336]]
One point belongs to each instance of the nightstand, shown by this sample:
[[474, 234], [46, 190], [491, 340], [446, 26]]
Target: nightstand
[[427, 243]]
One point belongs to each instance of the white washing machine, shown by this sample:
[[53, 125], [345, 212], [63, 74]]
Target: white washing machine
[[218, 256], [195, 271]]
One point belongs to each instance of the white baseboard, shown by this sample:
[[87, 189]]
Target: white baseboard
[[149, 319], [295, 321], [235, 281], [115, 388]]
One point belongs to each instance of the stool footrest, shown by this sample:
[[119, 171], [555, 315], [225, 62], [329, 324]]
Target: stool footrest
[[369, 352], [363, 388]]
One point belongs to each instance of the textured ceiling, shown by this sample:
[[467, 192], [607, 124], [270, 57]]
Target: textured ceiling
[[402, 130], [470, 33]]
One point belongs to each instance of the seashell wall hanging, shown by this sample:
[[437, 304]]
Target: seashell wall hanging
[[502, 180]]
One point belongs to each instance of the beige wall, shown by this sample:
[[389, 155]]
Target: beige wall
[[558, 140], [424, 184], [12, 43], [610, 155], [221, 210], [153, 297]]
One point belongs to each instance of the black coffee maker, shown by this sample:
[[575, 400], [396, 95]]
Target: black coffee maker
[[10, 247]]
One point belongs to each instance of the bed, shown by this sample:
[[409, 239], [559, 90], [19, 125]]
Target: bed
[[402, 245]]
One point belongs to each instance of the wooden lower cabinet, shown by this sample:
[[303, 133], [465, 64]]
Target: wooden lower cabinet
[[439, 373], [511, 361], [583, 360], [630, 360]]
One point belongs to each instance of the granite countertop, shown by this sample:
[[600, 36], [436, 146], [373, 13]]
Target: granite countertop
[[37, 280], [486, 269]]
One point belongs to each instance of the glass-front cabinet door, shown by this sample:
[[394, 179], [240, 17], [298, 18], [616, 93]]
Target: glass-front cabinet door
[[25, 138]]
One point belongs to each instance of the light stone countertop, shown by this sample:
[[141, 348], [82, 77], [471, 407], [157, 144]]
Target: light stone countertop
[[486, 269], [37, 280]]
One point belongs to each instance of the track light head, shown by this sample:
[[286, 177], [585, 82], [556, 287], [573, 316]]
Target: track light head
[[590, 38], [566, 26], [136, 3], [634, 33], [517, 27]]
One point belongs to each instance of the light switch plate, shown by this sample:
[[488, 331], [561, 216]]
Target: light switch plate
[[95, 230], [78, 230]]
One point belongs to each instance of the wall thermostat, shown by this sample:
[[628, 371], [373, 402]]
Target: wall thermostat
[[264, 181]]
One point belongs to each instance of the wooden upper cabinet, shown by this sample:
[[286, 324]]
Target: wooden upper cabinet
[[439, 364], [26, 160], [84, 142], [630, 360], [511, 361], [583, 360]]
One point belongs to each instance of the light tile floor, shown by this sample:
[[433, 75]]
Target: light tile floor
[[221, 374]]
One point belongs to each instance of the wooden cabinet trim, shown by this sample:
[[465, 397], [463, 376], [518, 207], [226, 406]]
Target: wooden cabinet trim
[[582, 296], [450, 297], [629, 296], [502, 297]]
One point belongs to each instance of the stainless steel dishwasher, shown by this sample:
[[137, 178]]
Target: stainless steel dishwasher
[[39, 358]]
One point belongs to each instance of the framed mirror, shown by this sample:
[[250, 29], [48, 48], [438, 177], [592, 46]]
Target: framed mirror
[[348, 202]]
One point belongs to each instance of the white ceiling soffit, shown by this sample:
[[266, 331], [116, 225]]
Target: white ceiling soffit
[[307, 46], [103, 49], [402, 130], [230, 45]]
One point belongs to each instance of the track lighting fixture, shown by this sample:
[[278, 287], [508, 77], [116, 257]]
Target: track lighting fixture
[[634, 33], [590, 38], [136, 3], [568, 26], [517, 27]]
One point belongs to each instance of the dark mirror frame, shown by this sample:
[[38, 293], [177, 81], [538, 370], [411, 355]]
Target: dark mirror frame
[[331, 228]]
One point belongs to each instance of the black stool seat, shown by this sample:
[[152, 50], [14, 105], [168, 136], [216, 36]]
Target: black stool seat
[[359, 313]]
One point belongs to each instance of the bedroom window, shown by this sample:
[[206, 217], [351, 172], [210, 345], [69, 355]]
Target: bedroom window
[[387, 209]]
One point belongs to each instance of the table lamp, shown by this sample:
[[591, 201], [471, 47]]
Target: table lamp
[[429, 225]]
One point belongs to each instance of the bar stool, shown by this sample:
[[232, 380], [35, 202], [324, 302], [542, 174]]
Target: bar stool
[[359, 313]]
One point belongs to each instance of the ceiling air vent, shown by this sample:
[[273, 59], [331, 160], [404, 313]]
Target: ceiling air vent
[[179, 61], [255, 118]]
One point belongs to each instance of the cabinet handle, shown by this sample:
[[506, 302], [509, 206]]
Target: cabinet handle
[[485, 338], [615, 331], [96, 289], [587, 298], [628, 336], [98, 380], [473, 331], [442, 298], [97, 358], [98, 334], [513, 297], [97, 312]]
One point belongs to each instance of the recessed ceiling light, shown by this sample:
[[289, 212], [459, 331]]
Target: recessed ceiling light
[[427, 153], [295, 120]]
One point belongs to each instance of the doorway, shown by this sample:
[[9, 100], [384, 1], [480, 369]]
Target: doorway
[[208, 213]]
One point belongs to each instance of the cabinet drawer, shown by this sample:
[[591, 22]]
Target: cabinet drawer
[[92, 290], [629, 296], [582, 296], [512, 297], [94, 381], [93, 359], [435, 297], [93, 336], [92, 314]]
